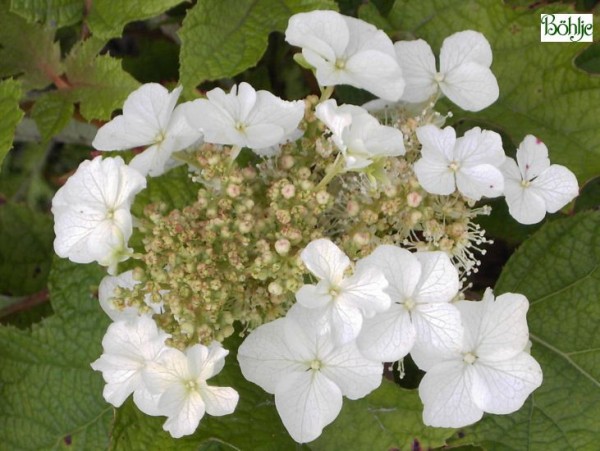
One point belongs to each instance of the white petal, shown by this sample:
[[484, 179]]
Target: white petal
[[314, 296], [465, 46], [445, 392], [439, 278], [365, 290], [336, 119], [400, 268], [271, 109], [307, 401], [532, 156], [557, 186], [384, 141], [524, 204], [426, 357], [325, 260], [346, 322], [324, 32], [471, 86], [147, 402], [388, 336], [503, 386], [479, 147], [481, 180], [437, 144], [106, 291], [118, 135], [265, 357], [418, 68], [184, 409], [219, 401], [257, 136], [438, 325], [355, 375], [434, 176], [496, 330], [377, 72], [152, 161], [204, 362]]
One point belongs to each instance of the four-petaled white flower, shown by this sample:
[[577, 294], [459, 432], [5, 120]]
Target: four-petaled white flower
[[488, 371], [245, 117], [92, 221], [470, 163], [307, 371], [149, 118], [106, 293], [421, 285], [464, 77], [338, 302], [179, 380], [359, 136], [349, 51], [534, 187], [129, 346]]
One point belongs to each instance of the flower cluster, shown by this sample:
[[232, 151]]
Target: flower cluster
[[341, 240]]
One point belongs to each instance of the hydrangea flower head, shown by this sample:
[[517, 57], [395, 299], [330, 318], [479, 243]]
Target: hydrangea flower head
[[488, 371], [245, 117], [149, 118], [92, 221], [345, 50], [179, 380], [532, 186], [340, 301], [359, 136], [421, 286], [464, 77], [307, 371], [469, 164]]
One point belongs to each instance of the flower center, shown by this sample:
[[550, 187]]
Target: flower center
[[240, 127], [334, 291], [454, 166], [316, 365], [191, 385], [438, 77], [525, 183], [409, 304], [469, 358], [340, 64], [110, 213], [159, 138]]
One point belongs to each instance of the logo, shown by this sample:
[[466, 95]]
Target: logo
[[567, 27]]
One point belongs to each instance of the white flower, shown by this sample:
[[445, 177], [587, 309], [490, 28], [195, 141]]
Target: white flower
[[179, 381], [245, 117], [106, 293], [129, 346], [92, 221], [535, 187], [359, 136], [340, 301], [149, 118], [489, 371], [470, 163], [464, 77], [307, 372], [349, 51], [421, 285]]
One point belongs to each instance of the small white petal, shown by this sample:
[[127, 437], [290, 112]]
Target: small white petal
[[437, 143], [479, 147], [418, 68], [435, 176], [377, 72], [147, 402], [481, 180], [557, 185], [471, 86], [503, 386], [365, 290], [524, 204], [445, 392], [438, 281], [346, 322], [307, 401], [465, 46], [388, 336], [219, 401], [532, 157], [184, 410], [325, 260], [314, 296], [437, 325]]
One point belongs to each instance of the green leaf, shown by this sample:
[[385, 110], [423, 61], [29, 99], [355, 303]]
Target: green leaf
[[389, 418], [51, 113], [541, 91], [255, 424], [107, 17], [97, 83], [213, 48], [11, 114], [51, 398], [25, 249], [589, 197], [28, 49], [558, 270], [56, 13]]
